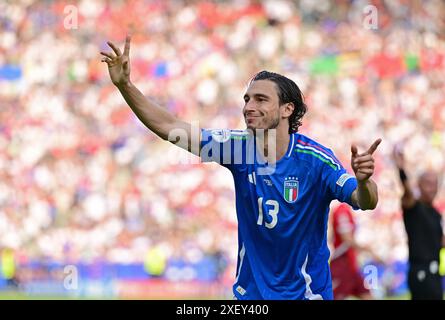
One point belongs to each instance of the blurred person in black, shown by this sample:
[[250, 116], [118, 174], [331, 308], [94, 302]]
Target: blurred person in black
[[423, 224]]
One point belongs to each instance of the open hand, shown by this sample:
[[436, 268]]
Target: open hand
[[118, 63]]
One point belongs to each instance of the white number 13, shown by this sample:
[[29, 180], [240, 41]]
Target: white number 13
[[273, 212]]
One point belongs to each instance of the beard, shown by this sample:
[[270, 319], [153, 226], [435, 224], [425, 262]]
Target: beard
[[272, 124]]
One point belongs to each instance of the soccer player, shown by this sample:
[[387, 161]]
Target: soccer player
[[423, 224], [283, 188], [347, 280]]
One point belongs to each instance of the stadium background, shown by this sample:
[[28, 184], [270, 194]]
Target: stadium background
[[84, 184]]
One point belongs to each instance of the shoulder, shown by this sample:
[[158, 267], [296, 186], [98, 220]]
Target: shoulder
[[411, 209], [415, 204], [310, 150], [236, 134], [224, 135]]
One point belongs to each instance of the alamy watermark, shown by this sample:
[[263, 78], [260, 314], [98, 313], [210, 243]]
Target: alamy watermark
[[224, 146], [71, 19], [371, 19], [371, 279], [71, 277]]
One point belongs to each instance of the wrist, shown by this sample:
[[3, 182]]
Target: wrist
[[362, 182], [124, 85]]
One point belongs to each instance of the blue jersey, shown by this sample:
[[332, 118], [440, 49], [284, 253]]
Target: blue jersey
[[282, 214]]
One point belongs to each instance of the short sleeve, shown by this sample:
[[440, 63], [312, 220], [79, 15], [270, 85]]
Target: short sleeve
[[223, 146], [338, 183]]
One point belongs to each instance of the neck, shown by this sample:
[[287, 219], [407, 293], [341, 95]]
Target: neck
[[275, 142]]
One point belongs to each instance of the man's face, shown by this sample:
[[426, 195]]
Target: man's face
[[262, 108], [428, 185]]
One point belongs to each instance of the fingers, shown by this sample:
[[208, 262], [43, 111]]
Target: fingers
[[367, 164], [106, 54], [354, 150], [107, 60], [363, 158], [115, 49], [363, 165], [127, 45], [370, 151], [374, 146], [368, 172]]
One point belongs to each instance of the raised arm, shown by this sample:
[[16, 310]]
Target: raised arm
[[154, 117], [408, 199], [366, 194]]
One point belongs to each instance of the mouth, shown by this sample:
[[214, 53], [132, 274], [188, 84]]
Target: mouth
[[251, 121], [251, 118]]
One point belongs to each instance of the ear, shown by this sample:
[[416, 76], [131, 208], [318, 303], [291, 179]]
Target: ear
[[287, 110]]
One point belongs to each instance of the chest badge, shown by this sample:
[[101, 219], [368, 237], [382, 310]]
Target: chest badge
[[291, 189]]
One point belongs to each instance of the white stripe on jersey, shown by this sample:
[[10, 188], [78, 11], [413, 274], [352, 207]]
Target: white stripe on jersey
[[307, 278], [292, 146]]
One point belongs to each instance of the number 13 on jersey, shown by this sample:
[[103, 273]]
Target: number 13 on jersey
[[272, 211]]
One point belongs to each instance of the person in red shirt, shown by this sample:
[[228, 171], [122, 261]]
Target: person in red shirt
[[347, 280]]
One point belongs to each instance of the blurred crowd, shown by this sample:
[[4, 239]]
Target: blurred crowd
[[82, 179]]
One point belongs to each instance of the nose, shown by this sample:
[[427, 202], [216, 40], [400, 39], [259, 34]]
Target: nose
[[248, 107]]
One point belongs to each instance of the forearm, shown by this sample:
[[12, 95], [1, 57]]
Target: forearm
[[408, 199], [154, 117], [407, 193], [367, 194], [150, 113]]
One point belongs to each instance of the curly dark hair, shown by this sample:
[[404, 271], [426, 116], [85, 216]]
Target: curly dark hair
[[288, 92]]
